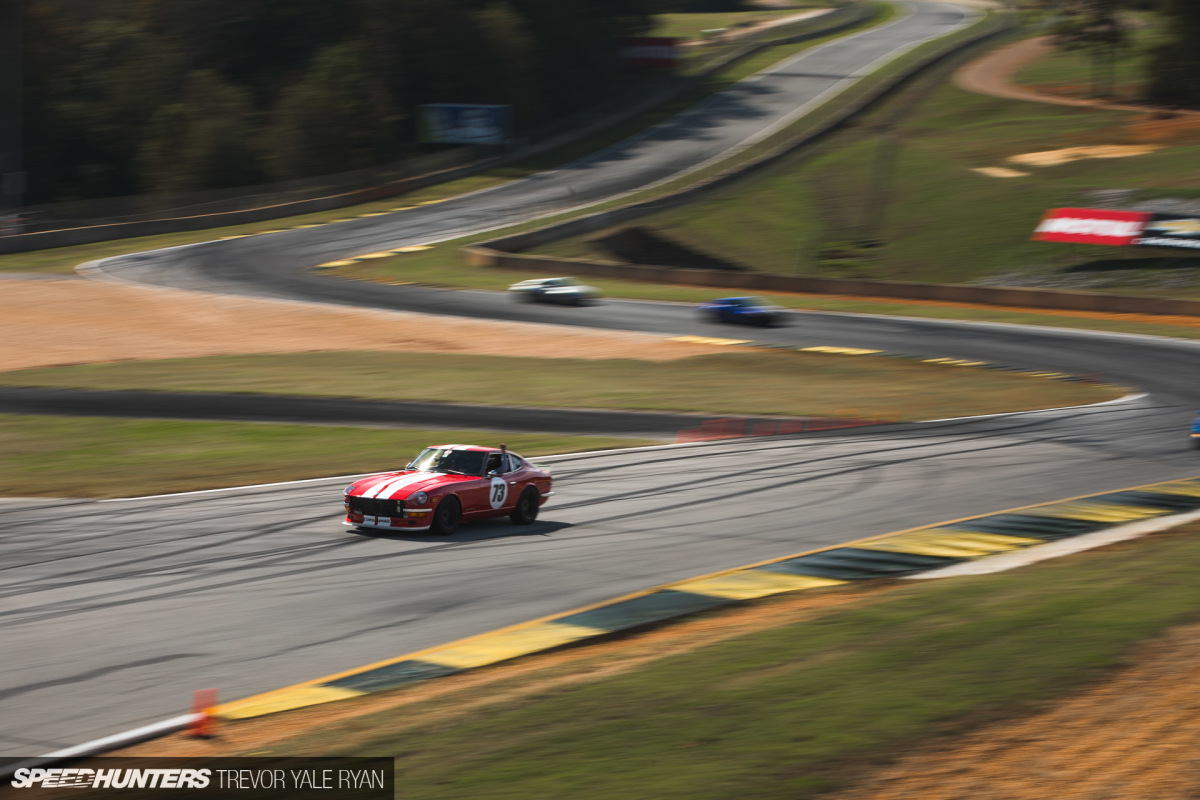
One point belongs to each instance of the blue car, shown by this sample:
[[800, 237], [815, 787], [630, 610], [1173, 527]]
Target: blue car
[[1196, 431], [743, 310]]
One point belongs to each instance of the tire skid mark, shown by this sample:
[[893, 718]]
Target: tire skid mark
[[315, 546], [745, 475]]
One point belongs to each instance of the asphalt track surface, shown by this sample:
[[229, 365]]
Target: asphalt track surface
[[111, 613]]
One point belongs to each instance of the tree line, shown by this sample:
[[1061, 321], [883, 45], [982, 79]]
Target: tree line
[[1099, 29], [132, 96]]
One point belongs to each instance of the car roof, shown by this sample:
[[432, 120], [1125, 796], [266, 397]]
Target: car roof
[[473, 447]]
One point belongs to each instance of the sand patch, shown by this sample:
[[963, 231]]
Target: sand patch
[[52, 322], [1065, 155], [999, 172]]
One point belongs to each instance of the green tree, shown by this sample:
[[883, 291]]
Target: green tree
[[256, 44], [1174, 68], [1095, 28], [577, 54], [170, 95], [207, 140], [338, 117], [91, 84]]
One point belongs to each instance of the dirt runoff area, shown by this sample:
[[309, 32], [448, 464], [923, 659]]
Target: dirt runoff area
[[1135, 736], [995, 74], [56, 321]]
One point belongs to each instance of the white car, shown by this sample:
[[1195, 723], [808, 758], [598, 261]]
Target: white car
[[566, 291]]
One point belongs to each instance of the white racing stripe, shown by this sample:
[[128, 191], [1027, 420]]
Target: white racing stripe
[[375, 481], [377, 488], [391, 488]]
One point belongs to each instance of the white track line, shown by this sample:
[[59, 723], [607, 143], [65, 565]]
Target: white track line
[[1005, 326], [106, 743], [1063, 547]]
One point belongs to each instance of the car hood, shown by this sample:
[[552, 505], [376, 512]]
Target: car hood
[[399, 485]]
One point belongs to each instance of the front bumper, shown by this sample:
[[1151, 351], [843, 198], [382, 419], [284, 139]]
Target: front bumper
[[412, 528], [415, 519]]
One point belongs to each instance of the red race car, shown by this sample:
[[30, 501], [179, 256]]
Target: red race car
[[446, 484]]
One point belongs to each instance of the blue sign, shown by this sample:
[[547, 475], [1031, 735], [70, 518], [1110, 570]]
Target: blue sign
[[462, 123]]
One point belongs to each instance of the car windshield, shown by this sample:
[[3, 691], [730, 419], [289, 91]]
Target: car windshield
[[751, 302], [565, 282], [459, 462]]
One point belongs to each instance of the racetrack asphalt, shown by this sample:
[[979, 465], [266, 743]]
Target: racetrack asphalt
[[113, 612]]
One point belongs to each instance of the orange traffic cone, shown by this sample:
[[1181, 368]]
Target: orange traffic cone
[[204, 704]]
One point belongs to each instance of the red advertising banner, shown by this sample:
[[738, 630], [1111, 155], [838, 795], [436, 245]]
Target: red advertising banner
[[649, 51], [1091, 226]]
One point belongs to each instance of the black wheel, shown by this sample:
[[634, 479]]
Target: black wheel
[[1196, 444], [445, 519], [527, 507]]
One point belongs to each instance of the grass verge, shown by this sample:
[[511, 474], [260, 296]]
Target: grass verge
[[101, 457], [789, 711], [767, 382], [691, 25], [65, 259]]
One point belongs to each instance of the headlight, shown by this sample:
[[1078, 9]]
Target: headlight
[[418, 499], [347, 490]]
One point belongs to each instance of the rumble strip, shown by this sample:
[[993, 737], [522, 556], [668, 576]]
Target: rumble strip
[[900, 554]]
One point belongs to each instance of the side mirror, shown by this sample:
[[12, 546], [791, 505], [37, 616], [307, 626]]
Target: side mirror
[[492, 473]]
